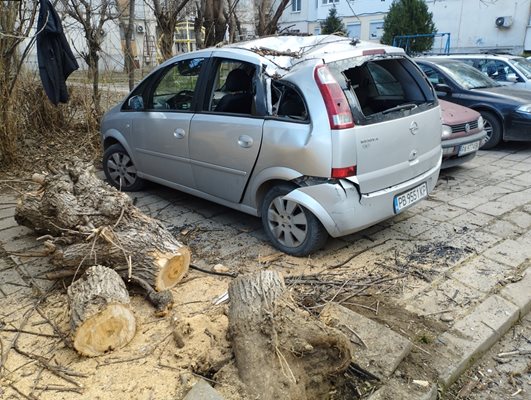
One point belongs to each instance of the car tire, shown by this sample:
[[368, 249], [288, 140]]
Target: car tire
[[291, 227], [493, 127], [120, 170]]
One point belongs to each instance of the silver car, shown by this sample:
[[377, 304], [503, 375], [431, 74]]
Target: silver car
[[317, 135]]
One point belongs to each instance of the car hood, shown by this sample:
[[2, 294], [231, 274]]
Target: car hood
[[454, 114], [522, 96]]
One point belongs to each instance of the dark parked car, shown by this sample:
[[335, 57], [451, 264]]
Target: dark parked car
[[506, 111]]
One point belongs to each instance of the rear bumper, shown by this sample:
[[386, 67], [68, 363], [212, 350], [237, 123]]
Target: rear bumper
[[342, 210]]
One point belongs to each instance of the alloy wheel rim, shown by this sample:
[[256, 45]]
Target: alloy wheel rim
[[121, 169], [287, 221], [488, 128]]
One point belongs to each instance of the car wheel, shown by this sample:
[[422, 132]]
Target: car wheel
[[494, 130], [291, 227], [120, 170]]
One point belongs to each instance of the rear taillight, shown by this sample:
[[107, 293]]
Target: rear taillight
[[345, 172], [336, 103]]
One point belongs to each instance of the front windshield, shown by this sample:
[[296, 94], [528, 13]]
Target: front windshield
[[523, 65], [467, 76]]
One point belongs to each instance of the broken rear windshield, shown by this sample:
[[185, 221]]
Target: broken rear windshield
[[383, 86]]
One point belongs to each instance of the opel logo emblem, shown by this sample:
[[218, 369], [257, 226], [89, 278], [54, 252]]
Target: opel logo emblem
[[467, 128], [414, 128]]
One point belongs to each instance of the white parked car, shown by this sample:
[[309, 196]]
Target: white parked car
[[503, 68]]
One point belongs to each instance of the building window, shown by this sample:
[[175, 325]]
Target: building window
[[375, 30], [330, 1], [317, 31], [295, 5], [354, 30]]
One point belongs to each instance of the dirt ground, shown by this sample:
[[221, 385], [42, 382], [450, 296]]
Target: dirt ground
[[169, 354]]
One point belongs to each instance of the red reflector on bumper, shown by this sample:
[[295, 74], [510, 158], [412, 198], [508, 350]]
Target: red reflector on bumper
[[345, 172]]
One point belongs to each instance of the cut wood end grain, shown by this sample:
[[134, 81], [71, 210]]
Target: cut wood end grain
[[100, 315], [108, 330], [173, 267]]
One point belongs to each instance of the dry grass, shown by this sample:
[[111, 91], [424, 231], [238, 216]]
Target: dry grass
[[40, 133]]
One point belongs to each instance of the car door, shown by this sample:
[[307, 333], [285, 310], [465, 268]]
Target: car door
[[225, 137], [161, 132]]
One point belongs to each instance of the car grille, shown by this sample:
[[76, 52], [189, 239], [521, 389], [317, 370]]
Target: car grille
[[461, 127]]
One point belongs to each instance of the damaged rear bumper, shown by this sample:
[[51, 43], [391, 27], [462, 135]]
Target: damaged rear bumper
[[342, 210]]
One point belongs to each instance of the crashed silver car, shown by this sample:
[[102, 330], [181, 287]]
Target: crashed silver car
[[317, 135]]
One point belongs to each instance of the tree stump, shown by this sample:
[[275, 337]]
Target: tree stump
[[100, 316], [93, 223], [282, 352]]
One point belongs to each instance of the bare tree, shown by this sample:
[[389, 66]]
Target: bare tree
[[167, 14], [267, 16], [92, 16], [16, 21]]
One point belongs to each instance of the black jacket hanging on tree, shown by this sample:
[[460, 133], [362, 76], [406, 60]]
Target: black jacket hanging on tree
[[56, 60]]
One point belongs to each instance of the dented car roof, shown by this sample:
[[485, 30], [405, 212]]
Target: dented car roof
[[282, 53]]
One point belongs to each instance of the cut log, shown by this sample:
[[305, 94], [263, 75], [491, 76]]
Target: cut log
[[155, 255], [281, 351], [94, 223], [100, 316]]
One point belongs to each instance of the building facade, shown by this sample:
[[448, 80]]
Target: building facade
[[474, 25], [362, 18]]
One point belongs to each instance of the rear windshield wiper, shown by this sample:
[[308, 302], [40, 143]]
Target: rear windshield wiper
[[400, 107]]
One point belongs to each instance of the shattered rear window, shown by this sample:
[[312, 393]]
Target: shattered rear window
[[383, 88]]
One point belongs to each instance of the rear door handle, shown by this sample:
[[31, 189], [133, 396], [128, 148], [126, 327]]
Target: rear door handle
[[179, 133], [245, 141]]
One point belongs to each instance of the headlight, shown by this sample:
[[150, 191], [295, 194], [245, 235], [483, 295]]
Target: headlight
[[446, 131], [525, 108], [480, 122]]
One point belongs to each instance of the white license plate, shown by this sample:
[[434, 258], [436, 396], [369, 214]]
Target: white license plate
[[410, 197], [468, 148]]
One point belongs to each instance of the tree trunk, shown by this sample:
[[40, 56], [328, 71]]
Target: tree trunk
[[198, 24], [129, 61], [100, 317], [95, 75], [166, 37], [281, 351], [156, 256], [94, 223]]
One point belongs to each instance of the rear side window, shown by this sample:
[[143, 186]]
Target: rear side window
[[287, 102], [384, 88]]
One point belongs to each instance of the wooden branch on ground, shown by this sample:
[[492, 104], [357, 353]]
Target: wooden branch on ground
[[91, 223]]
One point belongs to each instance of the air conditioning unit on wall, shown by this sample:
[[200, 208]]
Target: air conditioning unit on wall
[[140, 28], [504, 22]]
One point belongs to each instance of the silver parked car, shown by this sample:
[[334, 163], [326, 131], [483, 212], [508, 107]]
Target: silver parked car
[[317, 135]]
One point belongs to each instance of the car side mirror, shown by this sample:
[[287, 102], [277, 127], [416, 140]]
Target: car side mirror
[[136, 103], [443, 89], [512, 78]]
